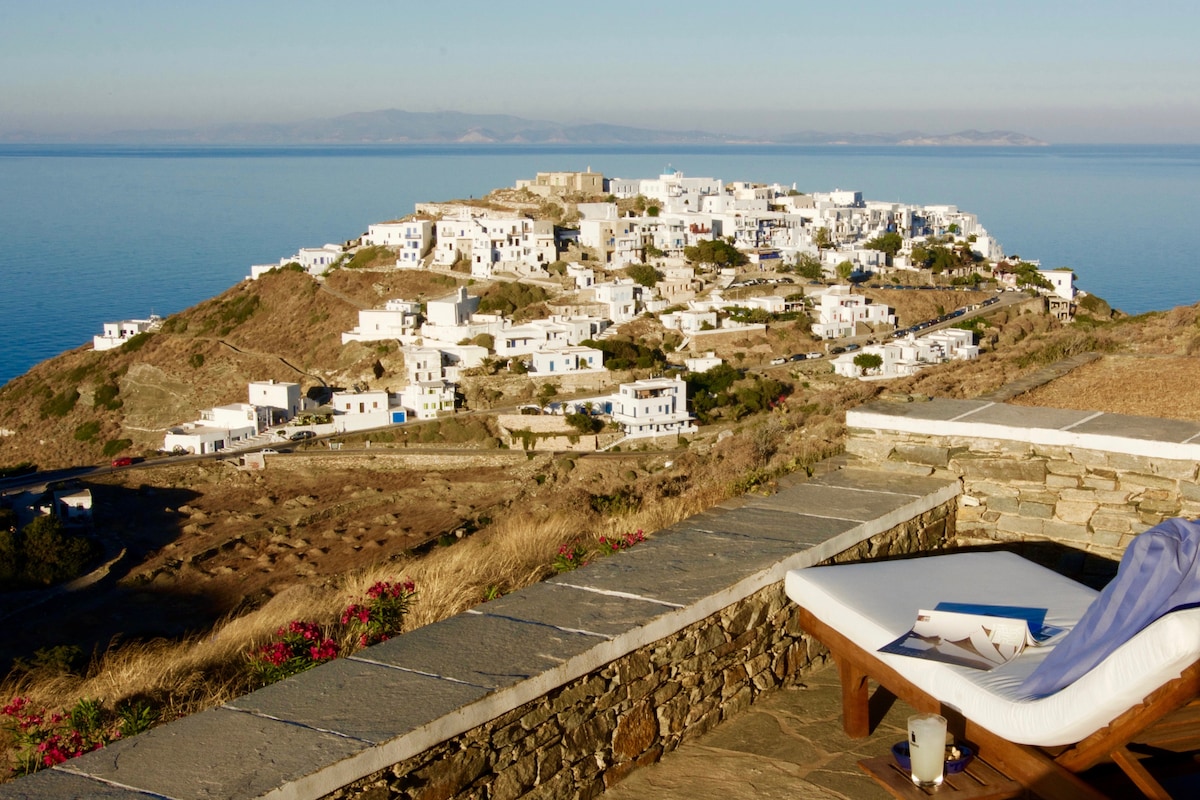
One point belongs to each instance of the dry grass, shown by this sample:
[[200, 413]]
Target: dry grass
[[1150, 386], [518, 549]]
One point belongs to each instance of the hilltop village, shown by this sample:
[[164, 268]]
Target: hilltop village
[[700, 256]]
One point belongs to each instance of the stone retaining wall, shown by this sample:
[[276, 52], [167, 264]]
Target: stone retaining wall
[[1017, 487], [588, 734]]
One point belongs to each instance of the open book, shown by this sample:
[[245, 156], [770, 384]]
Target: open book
[[973, 635]]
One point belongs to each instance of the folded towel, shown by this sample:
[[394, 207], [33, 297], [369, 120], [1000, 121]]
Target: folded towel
[[1159, 572]]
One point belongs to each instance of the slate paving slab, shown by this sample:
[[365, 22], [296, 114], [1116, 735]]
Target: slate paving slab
[[680, 569], [1157, 430], [215, 755], [802, 530], [356, 699], [53, 784], [832, 501], [489, 651], [572, 609]]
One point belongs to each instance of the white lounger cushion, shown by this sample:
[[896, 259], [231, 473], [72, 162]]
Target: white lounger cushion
[[872, 604]]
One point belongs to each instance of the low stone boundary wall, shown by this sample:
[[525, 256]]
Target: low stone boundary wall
[[554, 691], [585, 736], [1089, 480]]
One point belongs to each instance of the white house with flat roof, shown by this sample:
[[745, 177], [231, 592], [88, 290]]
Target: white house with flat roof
[[427, 399], [567, 359], [652, 407], [413, 239], [839, 313], [118, 333], [398, 319], [453, 309], [357, 411], [280, 399], [316, 260]]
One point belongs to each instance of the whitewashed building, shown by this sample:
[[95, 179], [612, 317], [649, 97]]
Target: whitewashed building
[[567, 359], [840, 313], [357, 411], [316, 260], [396, 320], [428, 399], [280, 400], [118, 333], [453, 309], [652, 407], [703, 363], [413, 239]]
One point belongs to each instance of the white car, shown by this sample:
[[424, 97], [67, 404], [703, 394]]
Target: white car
[[775, 362], [816, 355]]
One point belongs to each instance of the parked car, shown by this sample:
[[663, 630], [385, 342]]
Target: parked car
[[798, 356], [816, 355], [852, 347], [777, 361], [123, 461], [267, 451], [833, 351], [300, 436]]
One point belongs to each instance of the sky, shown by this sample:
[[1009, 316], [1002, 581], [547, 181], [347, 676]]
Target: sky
[[1103, 71]]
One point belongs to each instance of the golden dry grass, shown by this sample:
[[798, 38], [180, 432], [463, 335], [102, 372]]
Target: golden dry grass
[[1147, 386], [186, 676]]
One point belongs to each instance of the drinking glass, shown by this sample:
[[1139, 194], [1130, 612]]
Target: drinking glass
[[927, 748]]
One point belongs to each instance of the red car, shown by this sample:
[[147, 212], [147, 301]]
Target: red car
[[123, 461]]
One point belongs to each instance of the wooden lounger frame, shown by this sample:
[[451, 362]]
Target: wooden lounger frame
[[1048, 774]]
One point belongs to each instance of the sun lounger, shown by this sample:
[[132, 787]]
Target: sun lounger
[[1043, 742]]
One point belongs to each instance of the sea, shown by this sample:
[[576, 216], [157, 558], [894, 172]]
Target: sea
[[90, 234]]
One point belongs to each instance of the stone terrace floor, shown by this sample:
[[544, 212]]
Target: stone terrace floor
[[787, 746], [790, 746]]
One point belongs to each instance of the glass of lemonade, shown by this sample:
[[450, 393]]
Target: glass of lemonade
[[927, 748]]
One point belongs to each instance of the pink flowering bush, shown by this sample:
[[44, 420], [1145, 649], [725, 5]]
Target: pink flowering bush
[[297, 647], [570, 556], [615, 545], [42, 738], [381, 615]]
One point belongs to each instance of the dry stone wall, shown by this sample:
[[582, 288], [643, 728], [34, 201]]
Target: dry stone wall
[[590, 733], [1088, 498]]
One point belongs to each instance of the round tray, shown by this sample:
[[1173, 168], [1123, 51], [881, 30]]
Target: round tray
[[900, 753]]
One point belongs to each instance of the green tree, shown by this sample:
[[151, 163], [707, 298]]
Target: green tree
[[889, 243], [584, 423], [867, 362], [822, 239], [644, 274], [716, 252], [844, 269], [51, 554], [808, 266]]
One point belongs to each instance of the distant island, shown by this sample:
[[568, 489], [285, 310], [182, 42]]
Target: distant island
[[394, 126]]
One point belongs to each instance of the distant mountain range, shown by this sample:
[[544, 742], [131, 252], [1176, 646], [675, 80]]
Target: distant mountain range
[[452, 127]]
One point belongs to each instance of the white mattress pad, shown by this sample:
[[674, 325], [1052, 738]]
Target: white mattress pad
[[872, 604]]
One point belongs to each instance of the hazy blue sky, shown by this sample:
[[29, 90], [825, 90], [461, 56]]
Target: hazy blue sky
[[1065, 71]]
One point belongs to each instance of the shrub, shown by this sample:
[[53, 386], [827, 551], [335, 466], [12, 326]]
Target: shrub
[[44, 739], [196, 360], [106, 397], [570, 557], [87, 431], [60, 405], [297, 647], [114, 446], [381, 616], [135, 343]]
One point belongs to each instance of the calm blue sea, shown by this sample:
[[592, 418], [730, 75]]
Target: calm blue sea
[[90, 234]]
